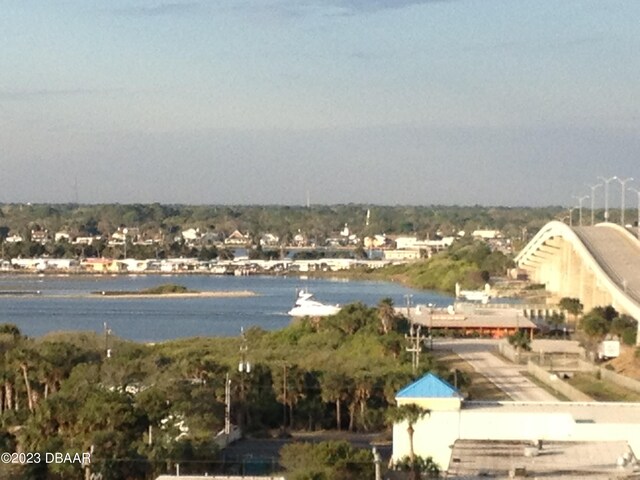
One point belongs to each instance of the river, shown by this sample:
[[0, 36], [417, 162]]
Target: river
[[65, 304]]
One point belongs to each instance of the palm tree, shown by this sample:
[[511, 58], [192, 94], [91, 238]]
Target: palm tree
[[386, 314], [335, 387], [572, 306], [411, 414]]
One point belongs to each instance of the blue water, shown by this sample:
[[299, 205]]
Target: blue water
[[63, 304]]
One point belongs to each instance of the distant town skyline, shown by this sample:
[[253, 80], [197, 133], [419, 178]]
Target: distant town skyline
[[389, 102]]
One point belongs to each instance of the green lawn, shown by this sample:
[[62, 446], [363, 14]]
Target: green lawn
[[602, 390]]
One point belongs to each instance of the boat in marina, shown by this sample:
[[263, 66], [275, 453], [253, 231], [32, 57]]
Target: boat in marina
[[307, 306], [482, 296]]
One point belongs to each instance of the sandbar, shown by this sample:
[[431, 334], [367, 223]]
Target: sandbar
[[211, 294]]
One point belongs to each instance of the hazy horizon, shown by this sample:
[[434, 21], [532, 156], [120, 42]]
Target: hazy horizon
[[247, 102]]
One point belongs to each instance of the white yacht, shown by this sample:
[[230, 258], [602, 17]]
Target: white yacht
[[482, 296], [307, 306]]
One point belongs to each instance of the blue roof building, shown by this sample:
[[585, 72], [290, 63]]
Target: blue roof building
[[429, 386], [430, 392]]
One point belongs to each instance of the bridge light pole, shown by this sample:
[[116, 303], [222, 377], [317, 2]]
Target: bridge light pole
[[606, 195], [571, 209], [638, 192], [580, 200], [593, 197], [622, 185]]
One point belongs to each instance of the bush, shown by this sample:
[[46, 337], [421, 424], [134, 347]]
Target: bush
[[520, 340], [164, 289], [426, 466]]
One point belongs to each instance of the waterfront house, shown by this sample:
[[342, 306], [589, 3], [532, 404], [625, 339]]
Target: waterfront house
[[29, 264], [377, 241], [118, 238], [191, 236], [14, 239], [300, 240], [401, 255], [210, 238], [102, 265], [135, 266], [238, 238], [61, 237], [62, 264], [406, 243], [86, 240], [269, 240], [40, 236]]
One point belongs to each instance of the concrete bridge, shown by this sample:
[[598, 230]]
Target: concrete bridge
[[600, 265]]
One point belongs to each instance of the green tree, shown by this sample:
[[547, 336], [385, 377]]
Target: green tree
[[335, 387], [334, 460], [386, 314], [410, 414], [520, 340], [572, 306], [626, 327], [595, 325]]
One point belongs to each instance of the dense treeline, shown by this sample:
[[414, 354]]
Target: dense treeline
[[317, 222], [603, 321], [148, 407]]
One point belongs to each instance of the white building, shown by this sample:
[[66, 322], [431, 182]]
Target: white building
[[451, 420], [86, 240], [61, 236], [269, 240], [14, 239], [487, 234], [406, 243], [190, 235]]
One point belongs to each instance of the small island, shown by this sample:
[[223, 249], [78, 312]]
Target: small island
[[172, 291]]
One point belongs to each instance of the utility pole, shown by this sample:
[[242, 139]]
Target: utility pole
[[284, 399], [415, 345], [86, 461], [408, 299], [107, 332], [227, 405], [377, 460], [414, 337], [243, 367]]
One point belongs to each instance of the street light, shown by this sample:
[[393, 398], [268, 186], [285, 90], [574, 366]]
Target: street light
[[580, 200], [622, 187], [593, 197], [571, 209], [638, 192], [606, 195]]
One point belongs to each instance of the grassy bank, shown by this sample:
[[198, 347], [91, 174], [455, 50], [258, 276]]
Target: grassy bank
[[602, 390]]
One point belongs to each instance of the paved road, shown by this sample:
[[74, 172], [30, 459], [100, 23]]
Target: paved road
[[506, 376], [618, 255]]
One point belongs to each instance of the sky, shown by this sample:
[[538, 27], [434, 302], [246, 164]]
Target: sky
[[420, 102]]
